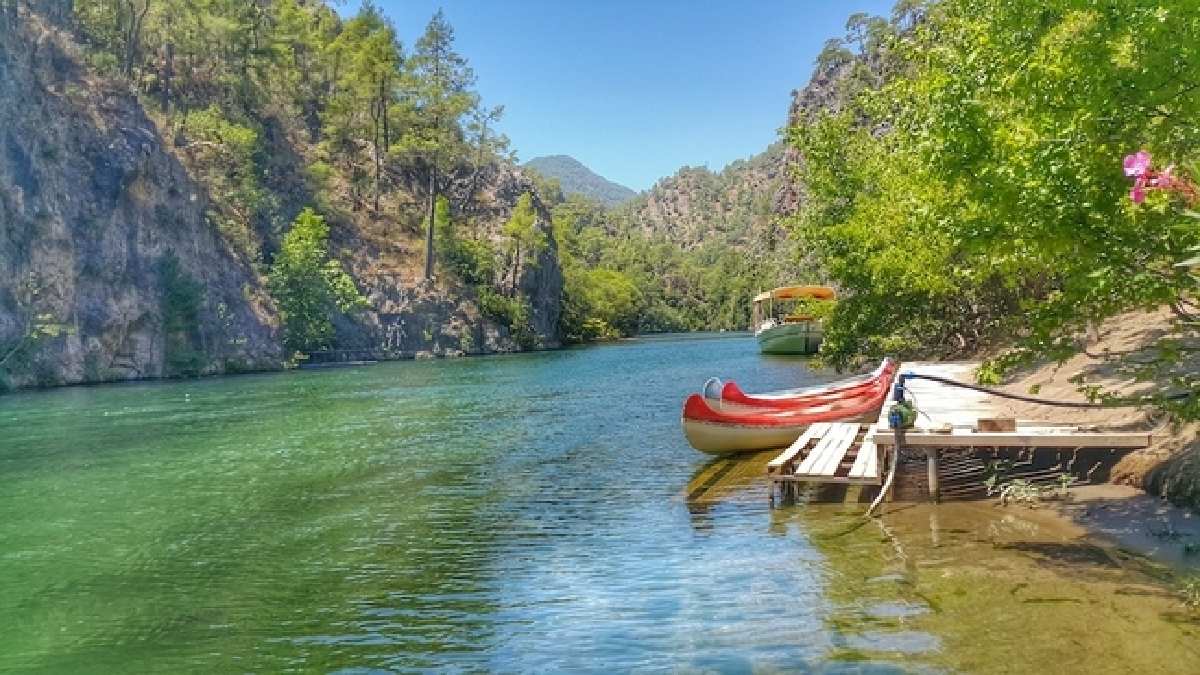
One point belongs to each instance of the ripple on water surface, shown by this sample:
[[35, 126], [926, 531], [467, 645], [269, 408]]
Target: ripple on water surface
[[526, 513]]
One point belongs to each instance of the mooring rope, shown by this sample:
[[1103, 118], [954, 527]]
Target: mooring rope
[[1037, 400], [897, 448], [887, 485]]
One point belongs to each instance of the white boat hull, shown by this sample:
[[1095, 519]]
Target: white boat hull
[[802, 337], [724, 439]]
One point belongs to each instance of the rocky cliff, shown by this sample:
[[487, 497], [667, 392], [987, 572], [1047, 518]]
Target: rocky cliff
[[116, 261], [409, 317], [92, 206]]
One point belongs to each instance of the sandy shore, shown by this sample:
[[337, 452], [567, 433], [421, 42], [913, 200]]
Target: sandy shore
[[1133, 520]]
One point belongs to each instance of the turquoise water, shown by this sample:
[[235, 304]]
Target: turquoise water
[[523, 513]]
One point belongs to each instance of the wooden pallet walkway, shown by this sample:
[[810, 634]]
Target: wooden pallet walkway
[[828, 453]]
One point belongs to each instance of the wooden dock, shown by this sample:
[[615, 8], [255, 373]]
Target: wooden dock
[[828, 453], [948, 420]]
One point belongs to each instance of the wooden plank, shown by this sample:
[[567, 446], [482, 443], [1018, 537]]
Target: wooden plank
[[825, 480], [818, 450], [813, 432], [866, 464], [827, 461], [837, 453], [1022, 439], [931, 468]]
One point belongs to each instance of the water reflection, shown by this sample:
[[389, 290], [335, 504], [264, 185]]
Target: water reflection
[[524, 514]]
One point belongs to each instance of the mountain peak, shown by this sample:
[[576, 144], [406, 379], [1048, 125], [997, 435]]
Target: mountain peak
[[576, 178]]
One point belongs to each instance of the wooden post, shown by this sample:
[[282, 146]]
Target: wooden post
[[935, 491]]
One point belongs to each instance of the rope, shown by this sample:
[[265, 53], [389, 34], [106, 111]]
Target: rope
[[887, 485], [1034, 399], [898, 446]]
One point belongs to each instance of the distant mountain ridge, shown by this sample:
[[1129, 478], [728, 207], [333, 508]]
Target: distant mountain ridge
[[575, 178]]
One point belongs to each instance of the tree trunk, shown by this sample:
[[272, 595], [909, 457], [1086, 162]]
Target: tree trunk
[[133, 36], [381, 129], [516, 268], [478, 165], [168, 72], [384, 95], [429, 230], [378, 166]]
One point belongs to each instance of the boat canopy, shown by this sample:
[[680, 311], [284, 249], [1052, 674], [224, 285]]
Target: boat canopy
[[796, 293]]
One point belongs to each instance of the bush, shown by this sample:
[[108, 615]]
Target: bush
[[309, 287], [513, 313], [473, 261], [599, 304]]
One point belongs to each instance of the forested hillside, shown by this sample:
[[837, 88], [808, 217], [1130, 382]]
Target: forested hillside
[[577, 179], [973, 191], [256, 182], [197, 188], [211, 187]]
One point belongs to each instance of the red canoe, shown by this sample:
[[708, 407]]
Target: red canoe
[[800, 399], [741, 429]]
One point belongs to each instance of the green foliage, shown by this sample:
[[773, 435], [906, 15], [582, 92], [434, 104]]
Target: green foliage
[[599, 304], [656, 283], [473, 261], [227, 153], [180, 303], [1189, 588], [511, 312], [466, 340], [34, 325], [309, 287], [442, 90], [1020, 491], [977, 195], [989, 373], [526, 236]]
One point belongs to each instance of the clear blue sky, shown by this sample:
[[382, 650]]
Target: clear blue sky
[[635, 90]]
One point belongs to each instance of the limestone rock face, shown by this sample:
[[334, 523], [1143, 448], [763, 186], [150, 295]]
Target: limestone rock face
[[95, 204], [90, 205]]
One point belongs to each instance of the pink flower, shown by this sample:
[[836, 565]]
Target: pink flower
[[1147, 178], [1166, 178], [1137, 163]]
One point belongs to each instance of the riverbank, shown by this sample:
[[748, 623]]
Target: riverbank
[[1133, 520], [1170, 467]]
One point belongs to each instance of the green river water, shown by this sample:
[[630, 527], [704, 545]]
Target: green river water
[[530, 513]]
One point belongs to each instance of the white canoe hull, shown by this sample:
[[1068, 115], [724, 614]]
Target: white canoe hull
[[717, 438], [723, 439]]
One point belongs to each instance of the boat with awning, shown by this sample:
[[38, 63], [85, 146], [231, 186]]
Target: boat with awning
[[782, 322]]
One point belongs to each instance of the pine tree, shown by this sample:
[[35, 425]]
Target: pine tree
[[523, 229], [443, 95]]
